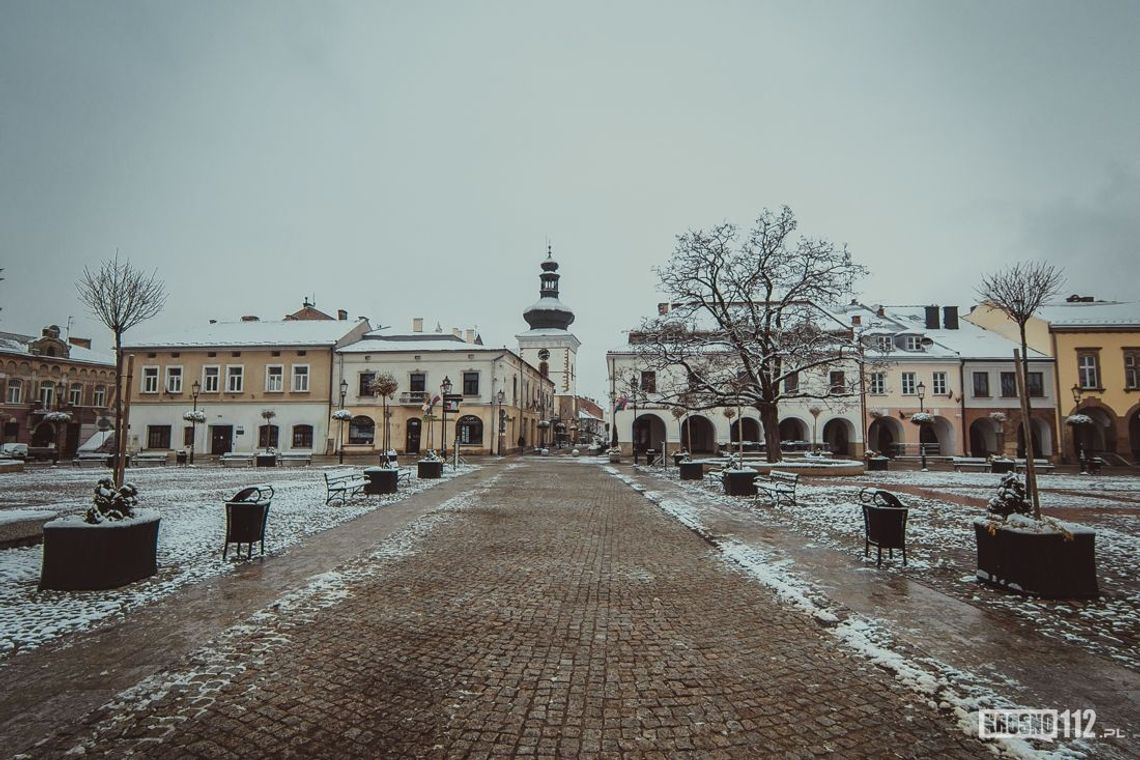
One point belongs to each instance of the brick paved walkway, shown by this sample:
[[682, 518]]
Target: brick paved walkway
[[554, 613]]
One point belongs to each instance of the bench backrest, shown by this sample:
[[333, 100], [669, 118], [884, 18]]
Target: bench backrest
[[787, 477], [340, 477]]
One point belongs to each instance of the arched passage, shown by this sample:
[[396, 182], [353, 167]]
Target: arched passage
[[648, 432], [983, 437], [1100, 436], [1134, 435], [697, 434], [44, 434], [883, 434], [750, 429], [837, 435], [793, 429], [361, 429], [937, 437]]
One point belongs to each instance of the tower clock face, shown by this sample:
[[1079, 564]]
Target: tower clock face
[[543, 354]]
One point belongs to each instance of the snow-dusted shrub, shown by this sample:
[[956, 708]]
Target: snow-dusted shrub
[[1010, 498], [112, 504]]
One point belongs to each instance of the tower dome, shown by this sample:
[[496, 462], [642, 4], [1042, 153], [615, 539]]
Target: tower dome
[[548, 312]]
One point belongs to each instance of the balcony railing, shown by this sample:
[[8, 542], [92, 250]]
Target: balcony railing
[[412, 397]]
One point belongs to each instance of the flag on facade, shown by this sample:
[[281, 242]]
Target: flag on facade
[[622, 402]]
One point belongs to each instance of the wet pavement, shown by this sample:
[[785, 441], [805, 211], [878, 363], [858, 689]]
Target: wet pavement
[[535, 609]]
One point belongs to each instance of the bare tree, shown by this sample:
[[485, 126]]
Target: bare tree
[[120, 297], [1019, 292], [384, 385], [748, 317]]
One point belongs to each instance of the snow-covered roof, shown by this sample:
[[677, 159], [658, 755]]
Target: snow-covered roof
[[1092, 314], [968, 341], [376, 343], [13, 343], [288, 332]]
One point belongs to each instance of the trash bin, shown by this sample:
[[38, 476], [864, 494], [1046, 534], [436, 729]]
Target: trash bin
[[246, 515], [180, 457], [380, 480]]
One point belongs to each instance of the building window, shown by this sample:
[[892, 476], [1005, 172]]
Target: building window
[[1088, 370], [417, 384], [302, 436], [884, 343], [47, 393], [188, 437], [75, 394], [1036, 384], [235, 378], [877, 383], [267, 436], [792, 383], [837, 381], [301, 378], [981, 385], [150, 380], [908, 384], [649, 382], [913, 343], [1008, 385], [543, 369], [939, 383], [364, 381], [361, 429], [158, 436], [100, 399], [15, 391], [274, 378], [470, 383], [470, 430], [173, 379], [210, 379], [1132, 370]]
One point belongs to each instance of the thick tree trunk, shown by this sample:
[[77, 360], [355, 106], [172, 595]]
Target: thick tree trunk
[[770, 419], [120, 434]]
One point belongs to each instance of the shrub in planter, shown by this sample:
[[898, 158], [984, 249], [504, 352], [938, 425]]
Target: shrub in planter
[[110, 545], [1044, 557], [614, 454], [430, 467], [738, 480]]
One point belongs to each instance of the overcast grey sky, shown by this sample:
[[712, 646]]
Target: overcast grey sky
[[411, 159]]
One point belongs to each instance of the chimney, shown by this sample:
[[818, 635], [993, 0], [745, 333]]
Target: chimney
[[662, 309], [417, 324], [880, 312], [249, 318], [950, 317], [342, 315], [455, 331], [931, 317], [81, 342], [470, 336], [856, 320]]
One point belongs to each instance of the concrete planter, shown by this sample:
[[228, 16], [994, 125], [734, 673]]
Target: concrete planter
[[691, 470], [615, 457], [428, 469], [740, 482], [1042, 564], [1001, 465], [878, 464], [381, 480], [83, 557]]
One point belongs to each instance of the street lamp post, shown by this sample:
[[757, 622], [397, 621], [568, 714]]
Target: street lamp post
[[445, 388], [195, 389], [340, 430], [1076, 429], [921, 388], [633, 425], [499, 418]]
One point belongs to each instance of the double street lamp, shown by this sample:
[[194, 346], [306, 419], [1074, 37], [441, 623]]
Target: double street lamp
[[340, 434], [499, 398], [195, 389], [445, 388], [921, 388]]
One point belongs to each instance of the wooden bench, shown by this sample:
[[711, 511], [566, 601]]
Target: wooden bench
[[777, 485], [236, 459], [971, 463], [92, 459], [342, 486], [1040, 465], [295, 458], [146, 458]]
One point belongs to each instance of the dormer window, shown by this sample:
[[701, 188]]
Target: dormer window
[[913, 343], [884, 343]]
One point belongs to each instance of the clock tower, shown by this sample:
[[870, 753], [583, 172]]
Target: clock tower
[[552, 348]]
